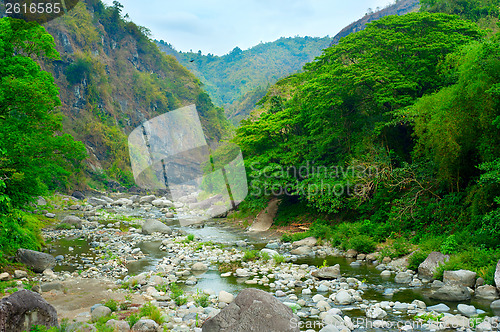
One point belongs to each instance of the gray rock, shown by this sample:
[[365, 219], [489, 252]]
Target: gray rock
[[328, 272], [145, 325], [487, 292], [73, 220], [253, 310], [385, 274], [419, 304], [123, 202], [199, 266], [497, 275], [460, 277], [302, 251], [495, 305], [96, 201], [47, 287], [225, 297], [152, 226], [351, 253], [18, 274], [26, 308], [375, 313], [308, 242], [467, 310], [343, 298], [118, 325], [41, 201], [4, 276], [50, 215], [330, 328], [439, 308], [452, 293], [78, 195], [99, 312], [35, 260], [147, 199], [484, 327], [322, 288], [403, 278], [273, 245], [270, 252], [428, 267]]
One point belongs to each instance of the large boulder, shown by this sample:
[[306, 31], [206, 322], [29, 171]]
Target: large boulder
[[147, 199], [302, 251], [327, 272], [487, 292], [428, 267], [24, 309], [161, 203], [497, 276], [145, 325], [74, 221], [78, 195], [308, 241], [94, 201], [123, 202], [460, 277], [253, 310], [35, 260], [155, 226], [452, 293]]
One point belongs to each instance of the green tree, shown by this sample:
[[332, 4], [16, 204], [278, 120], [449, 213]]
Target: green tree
[[37, 155]]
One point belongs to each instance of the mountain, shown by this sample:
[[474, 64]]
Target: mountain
[[401, 7], [237, 80], [112, 78]]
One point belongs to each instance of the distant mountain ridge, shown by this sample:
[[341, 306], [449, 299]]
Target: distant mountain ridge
[[238, 80], [401, 7]]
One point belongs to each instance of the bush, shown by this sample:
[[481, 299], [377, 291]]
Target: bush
[[264, 256], [450, 245], [201, 299], [362, 243], [177, 294], [278, 259], [250, 255], [416, 259], [132, 319], [64, 226], [112, 304], [151, 311]]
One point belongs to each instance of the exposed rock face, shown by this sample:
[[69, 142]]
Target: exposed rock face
[[151, 226], [37, 261], [497, 276], [24, 309], [399, 8], [328, 272], [461, 277], [427, 268], [452, 293], [253, 310]]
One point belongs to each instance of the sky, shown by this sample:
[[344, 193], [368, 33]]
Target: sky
[[218, 26]]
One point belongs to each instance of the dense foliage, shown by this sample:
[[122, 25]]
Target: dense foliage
[[34, 154], [394, 131]]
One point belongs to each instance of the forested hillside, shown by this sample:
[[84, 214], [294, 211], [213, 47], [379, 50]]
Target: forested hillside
[[393, 135], [111, 78], [236, 80], [70, 94]]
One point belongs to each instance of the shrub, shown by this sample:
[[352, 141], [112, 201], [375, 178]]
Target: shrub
[[64, 226], [250, 255], [112, 304], [178, 294], [151, 311], [201, 299], [450, 245], [229, 267], [278, 259], [416, 259], [362, 243], [132, 319], [264, 256]]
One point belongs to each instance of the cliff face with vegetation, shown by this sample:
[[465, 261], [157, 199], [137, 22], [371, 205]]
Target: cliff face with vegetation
[[238, 80], [112, 78], [401, 7]]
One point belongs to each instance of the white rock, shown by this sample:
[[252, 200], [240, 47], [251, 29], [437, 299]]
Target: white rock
[[225, 297]]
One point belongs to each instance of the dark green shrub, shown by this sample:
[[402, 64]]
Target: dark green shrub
[[362, 243], [416, 259]]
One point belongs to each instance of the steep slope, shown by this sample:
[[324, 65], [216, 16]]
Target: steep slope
[[399, 8], [111, 79], [235, 80]]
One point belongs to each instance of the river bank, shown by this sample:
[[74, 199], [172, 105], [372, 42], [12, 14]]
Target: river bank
[[118, 256]]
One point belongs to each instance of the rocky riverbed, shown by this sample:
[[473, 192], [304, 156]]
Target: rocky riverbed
[[191, 277]]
